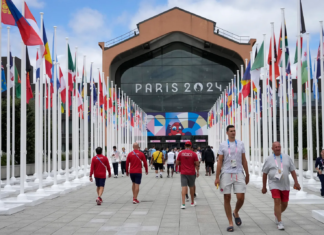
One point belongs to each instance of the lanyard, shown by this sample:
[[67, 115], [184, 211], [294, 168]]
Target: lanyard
[[137, 156], [277, 162], [229, 149]]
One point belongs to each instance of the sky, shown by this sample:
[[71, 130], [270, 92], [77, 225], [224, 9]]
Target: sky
[[86, 23]]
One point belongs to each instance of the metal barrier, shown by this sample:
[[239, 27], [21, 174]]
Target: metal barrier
[[232, 36], [122, 38]]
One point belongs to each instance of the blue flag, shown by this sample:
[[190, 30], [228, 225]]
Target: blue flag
[[3, 80]]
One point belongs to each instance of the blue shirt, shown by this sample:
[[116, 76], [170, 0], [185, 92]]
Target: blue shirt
[[164, 153], [319, 164], [152, 151]]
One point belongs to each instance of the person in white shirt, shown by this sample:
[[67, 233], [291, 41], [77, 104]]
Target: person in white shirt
[[170, 159], [115, 160], [123, 157]]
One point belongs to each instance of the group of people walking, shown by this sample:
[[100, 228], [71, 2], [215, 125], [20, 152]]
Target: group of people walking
[[232, 173]]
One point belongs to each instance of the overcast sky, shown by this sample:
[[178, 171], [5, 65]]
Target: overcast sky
[[86, 22]]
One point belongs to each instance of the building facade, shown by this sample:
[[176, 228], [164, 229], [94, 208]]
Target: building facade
[[174, 66]]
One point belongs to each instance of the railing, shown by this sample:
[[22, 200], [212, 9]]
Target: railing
[[220, 31], [232, 36], [122, 38]]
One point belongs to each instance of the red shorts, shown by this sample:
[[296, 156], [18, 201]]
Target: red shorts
[[283, 195]]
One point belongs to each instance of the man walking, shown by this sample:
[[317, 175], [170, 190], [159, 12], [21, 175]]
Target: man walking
[[115, 161], [209, 159], [278, 166], [170, 163], [147, 155], [123, 157], [99, 165], [188, 161], [157, 161], [319, 166], [135, 159], [229, 174]]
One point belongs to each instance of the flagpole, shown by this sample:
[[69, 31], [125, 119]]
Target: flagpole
[[1, 202], [112, 137], [274, 92], [67, 110], [13, 178], [103, 117], [251, 120], [49, 178], [322, 76], [59, 135], [85, 119], [22, 196], [291, 121], [316, 109], [8, 186], [301, 193], [92, 110], [37, 137], [45, 122], [264, 105], [280, 98]]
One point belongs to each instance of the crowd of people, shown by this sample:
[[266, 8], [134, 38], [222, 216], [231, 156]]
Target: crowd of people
[[232, 172]]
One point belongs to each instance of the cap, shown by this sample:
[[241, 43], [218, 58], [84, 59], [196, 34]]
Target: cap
[[188, 142]]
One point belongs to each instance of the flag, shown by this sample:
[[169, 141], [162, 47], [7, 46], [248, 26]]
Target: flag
[[315, 87], [6, 16], [305, 67], [17, 83], [11, 82], [104, 89], [29, 92], [80, 104], [276, 67], [301, 49], [101, 97], [230, 96], [48, 58], [246, 81], [256, 68], [318, 59], [3, 80], [302, 22], [38, 65], [71, 70], [28, 34], [62, 90], [280, 58], [33, 23]]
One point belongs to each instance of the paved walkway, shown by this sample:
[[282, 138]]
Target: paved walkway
[[158, 213]]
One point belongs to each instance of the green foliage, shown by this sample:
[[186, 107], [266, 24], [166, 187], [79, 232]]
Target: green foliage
[[304, 130], [30, 123]]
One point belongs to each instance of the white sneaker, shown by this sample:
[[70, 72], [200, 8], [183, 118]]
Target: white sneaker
[[281, 226], [194, 204], [276, 220], [122, 175], [183, 206], [116, 176]]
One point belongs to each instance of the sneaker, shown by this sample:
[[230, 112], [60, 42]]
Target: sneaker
[[156, 176], [281, 226], [98, 201], [161, 176], [187, 198], [122, 175], [276, 220], [183, 206], [168, 176], [137, 201], [194, 203], [116, 176], [134, 201]]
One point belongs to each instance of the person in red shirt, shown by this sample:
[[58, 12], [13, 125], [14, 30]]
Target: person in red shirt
[[188, 160], [99, 165], [135, 159]]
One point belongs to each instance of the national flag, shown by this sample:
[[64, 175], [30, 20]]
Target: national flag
[[318, 59], [230, 96], [305, 67], [29, 68], [17, 83], [48, 58], [3, 80], [101, 97], [276, 66], [315, 87], [80, 104], [28, 34], [71, 70], [246, 81], [256, 68], [302, 21], [104, 90], [33, 23], [38, 65], [6, 16], [11, 82], [62, 90], [301, 49], [280, 58]]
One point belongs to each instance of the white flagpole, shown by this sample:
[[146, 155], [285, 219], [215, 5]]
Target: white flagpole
[[264, 104], [301, 193], [280, 111], [322, 77], [291, 121], [108, 118], [309, 116], [92, 110], [54, 101], [8, 186], [253, 136], [37, 137], [103, 118], [1, 203], [22, 195], [274, 92], [283, 26], [67, 107], [119, 121], [116, 119], [13, 178], [112, 126], [316, 109], [59, 135], [85, 119], [49, 178]]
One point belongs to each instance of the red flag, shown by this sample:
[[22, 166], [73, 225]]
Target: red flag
[[6, 16], [276, 68], [101, 98]]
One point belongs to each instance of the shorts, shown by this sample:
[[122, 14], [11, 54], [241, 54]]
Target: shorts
[[158, 166], [136, 177], [228, 180], [283, 195], [170, 166], [209, 164], [188, 180], [100, 182]]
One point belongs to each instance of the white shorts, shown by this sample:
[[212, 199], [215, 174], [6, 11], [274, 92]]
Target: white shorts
[[228, 180]]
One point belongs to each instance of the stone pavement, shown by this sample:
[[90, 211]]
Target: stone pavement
[[158, 213]]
